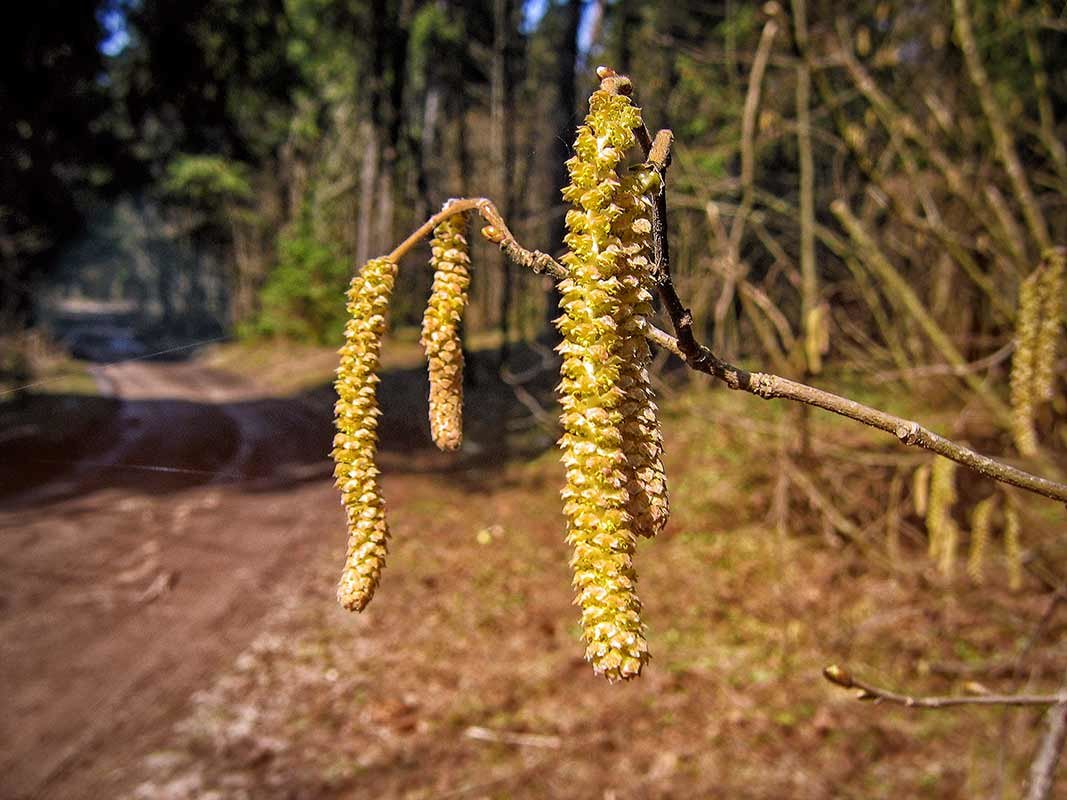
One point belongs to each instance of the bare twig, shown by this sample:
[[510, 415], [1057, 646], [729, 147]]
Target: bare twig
[[510, 737], [1043, 768], [865, 691], [931, 370]]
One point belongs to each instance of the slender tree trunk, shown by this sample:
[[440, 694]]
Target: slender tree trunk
[[628, 22], [566, 105], [368, 182], [502, 114], [367, 242], [393, 117]]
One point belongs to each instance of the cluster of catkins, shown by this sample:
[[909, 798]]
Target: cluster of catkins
[[612, 447], [934, 497], [357, 412]]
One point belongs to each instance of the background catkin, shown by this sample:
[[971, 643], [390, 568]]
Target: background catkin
[[940, 526], [441, 335], [1023, 362], [1013, 547], [356, 440], [642, 438], [981, 524], [920, 489], [1050, 298], [599, 527]]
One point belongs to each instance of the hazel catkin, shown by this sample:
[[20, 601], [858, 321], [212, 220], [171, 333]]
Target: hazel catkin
[[642, 439], [1013, 547], [1050, 296], [981, 525], [596, 497], [941, 528], [356, 441], [441, 335], [1024, 362]]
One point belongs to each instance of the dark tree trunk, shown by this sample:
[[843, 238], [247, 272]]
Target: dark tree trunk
[[566, 105]]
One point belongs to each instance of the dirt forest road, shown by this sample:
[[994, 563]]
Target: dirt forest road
[[136, 572]]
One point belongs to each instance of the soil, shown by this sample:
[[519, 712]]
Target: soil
[[138, 570]]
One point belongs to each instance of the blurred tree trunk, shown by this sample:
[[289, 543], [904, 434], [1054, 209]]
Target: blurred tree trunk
[[566, 105], [397, 42], [628, 22], [366, 241], [502, 115]]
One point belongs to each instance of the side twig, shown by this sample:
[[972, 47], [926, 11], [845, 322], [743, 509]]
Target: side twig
[[840, 676], [1043, 768]]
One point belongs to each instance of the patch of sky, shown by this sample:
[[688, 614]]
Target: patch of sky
[[113, 20]]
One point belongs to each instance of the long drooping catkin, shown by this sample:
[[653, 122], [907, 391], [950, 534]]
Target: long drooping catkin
[[1050, 297], [441, 330], [981, 526], [599, 527], [1023, 363], [1013, 547], [642, 439], [941, 528], [356, 441], [920, 489]]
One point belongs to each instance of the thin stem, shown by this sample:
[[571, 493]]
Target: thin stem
[[865, 691], [1043, 768], [451, 208]]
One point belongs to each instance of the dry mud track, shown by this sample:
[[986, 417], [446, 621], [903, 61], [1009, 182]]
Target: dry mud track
[[133, 575]]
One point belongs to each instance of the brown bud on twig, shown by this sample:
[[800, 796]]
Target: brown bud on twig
[[839, 675]]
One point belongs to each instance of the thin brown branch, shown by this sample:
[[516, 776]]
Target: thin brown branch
[[1043, 768], [931, 370], [865, 691]]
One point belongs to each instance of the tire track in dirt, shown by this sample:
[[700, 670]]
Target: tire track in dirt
[[124, 588]]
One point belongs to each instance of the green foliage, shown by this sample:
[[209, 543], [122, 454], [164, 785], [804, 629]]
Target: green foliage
[[207, 181], [300, 299]]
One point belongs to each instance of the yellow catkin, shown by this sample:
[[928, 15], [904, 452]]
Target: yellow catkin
[[599, 528], [1013, 548], [920, 489], [1023, 362], [642, 439], [950, 544], [981, 524], [356, 440], [816, 337], [441, 330], [940, 527], [1050, 293]]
